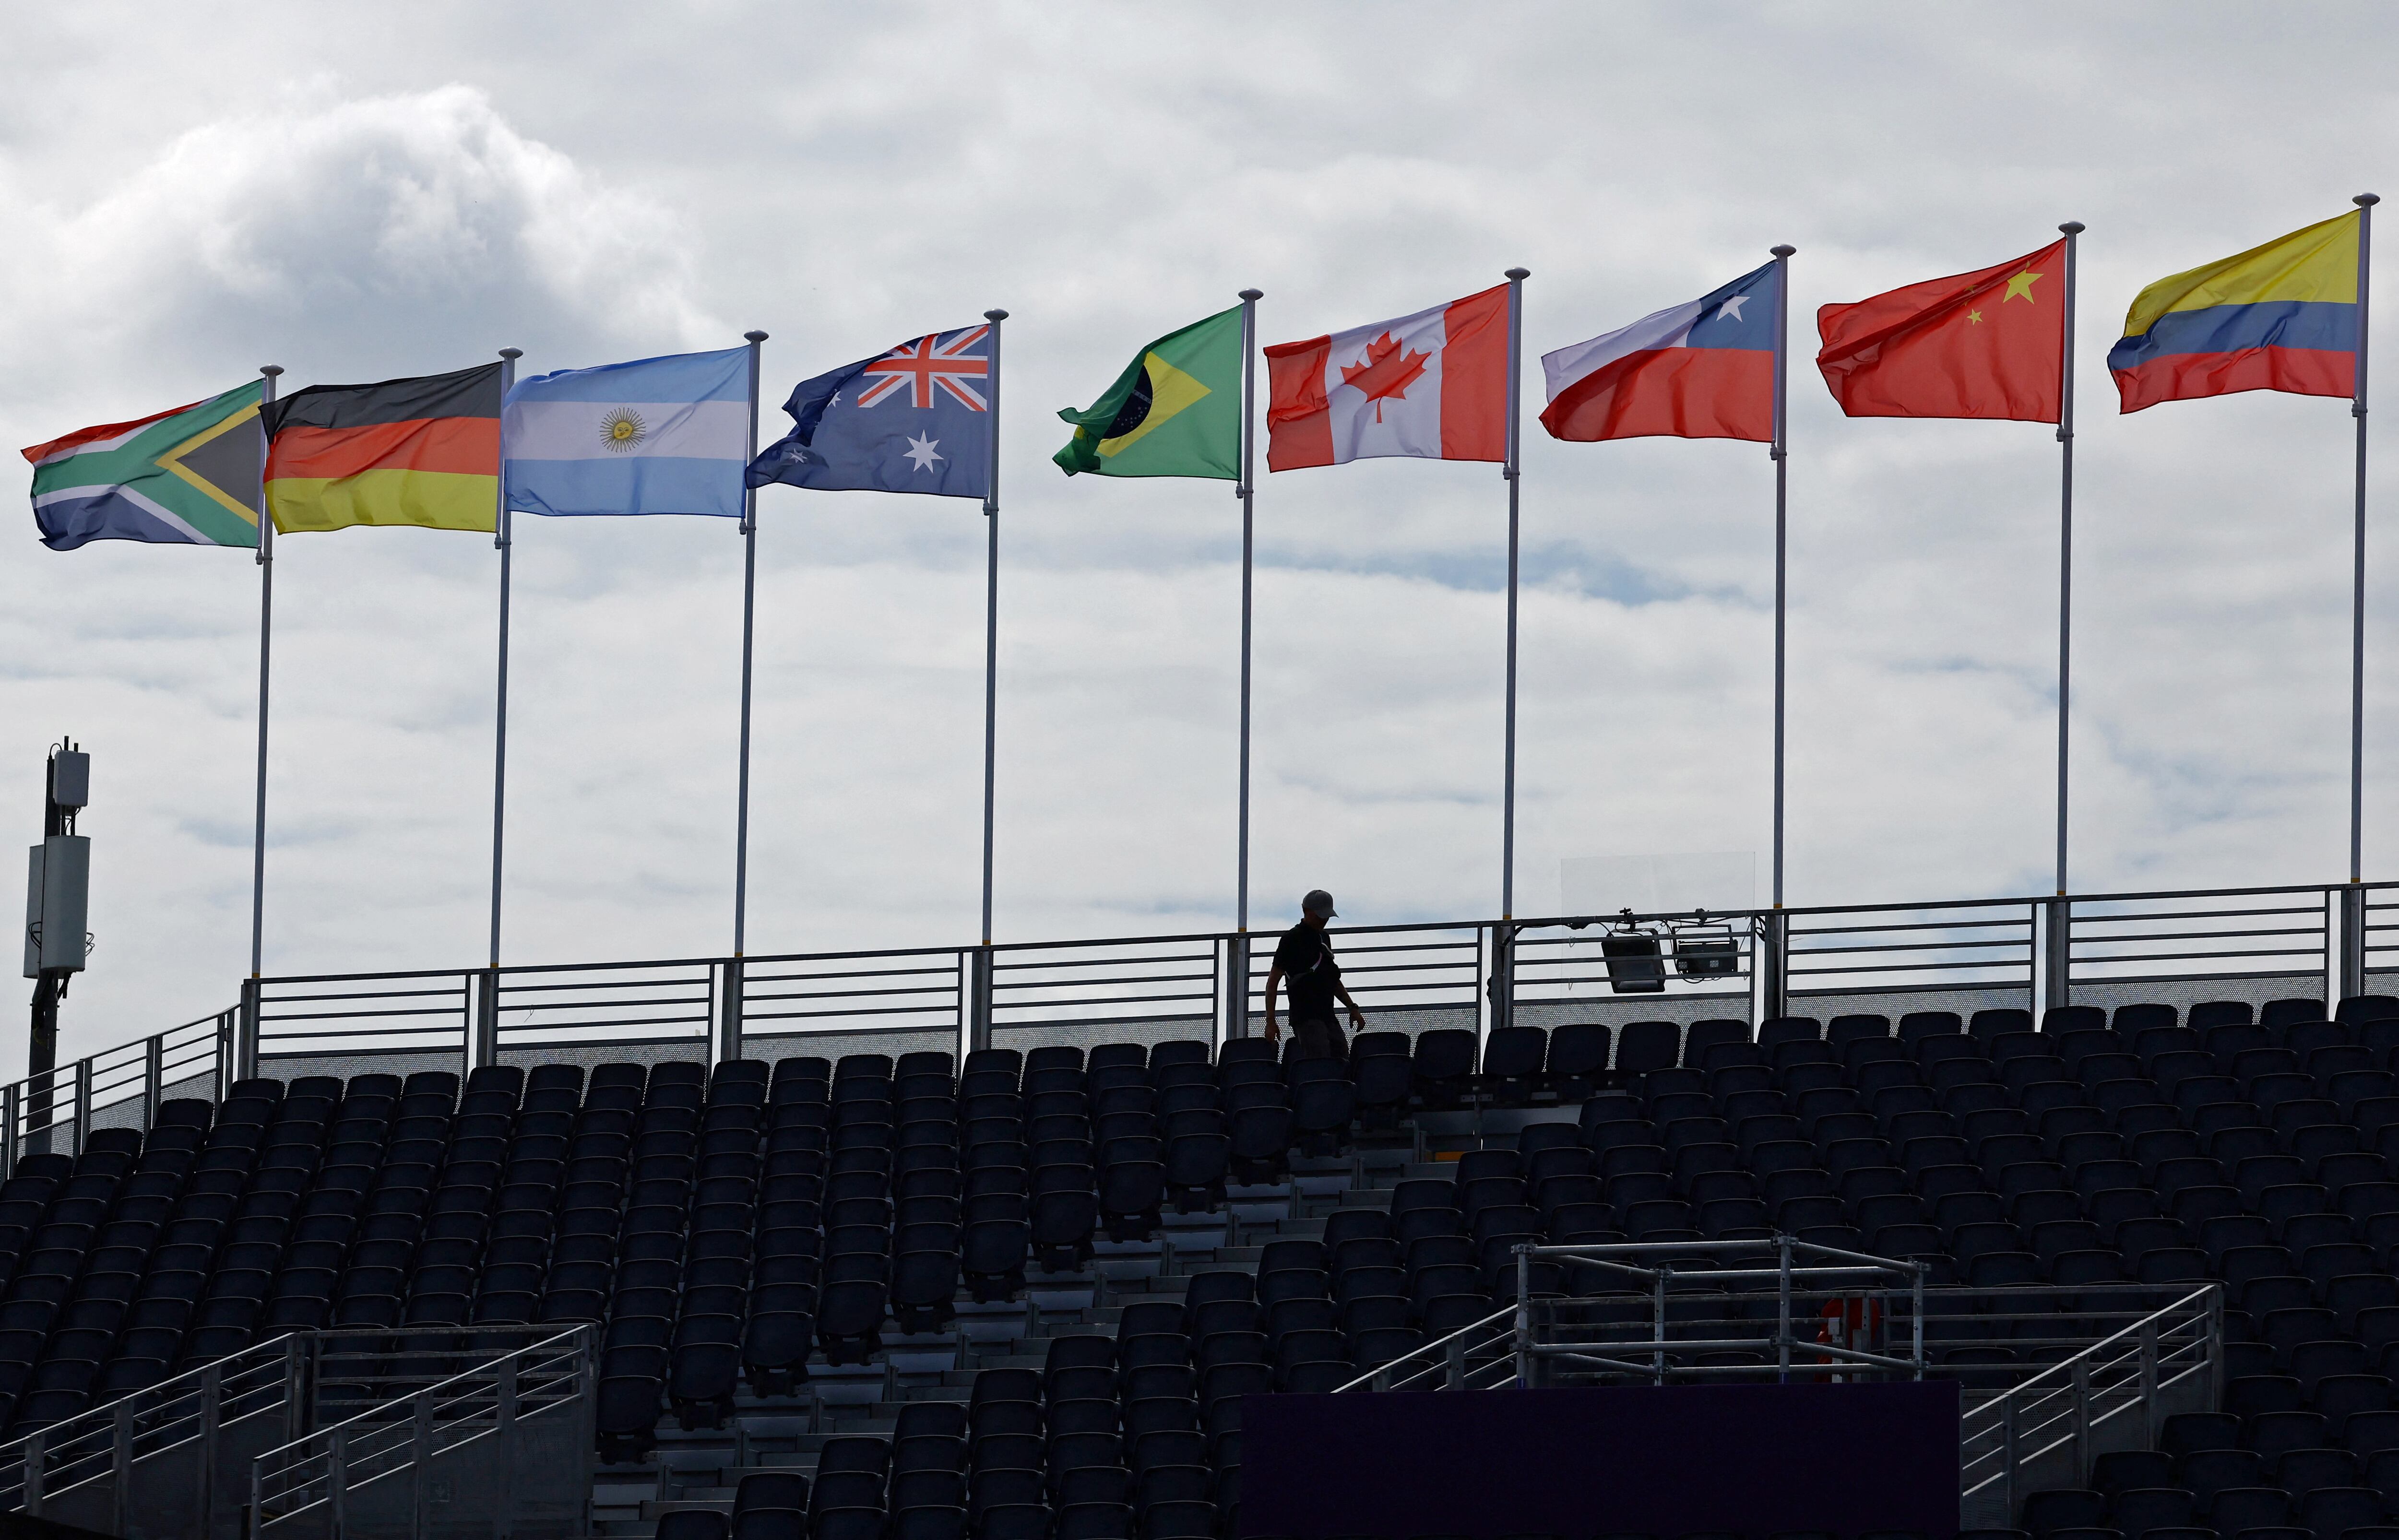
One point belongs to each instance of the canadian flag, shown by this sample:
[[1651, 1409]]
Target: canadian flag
[[1433, 386]]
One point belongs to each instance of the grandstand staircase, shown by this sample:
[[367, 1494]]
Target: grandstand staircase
[[702, 1469]]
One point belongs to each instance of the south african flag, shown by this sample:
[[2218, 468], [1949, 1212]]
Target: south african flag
[[187, 477]]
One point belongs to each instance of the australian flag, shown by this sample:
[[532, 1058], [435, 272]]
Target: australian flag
[[915, 419]]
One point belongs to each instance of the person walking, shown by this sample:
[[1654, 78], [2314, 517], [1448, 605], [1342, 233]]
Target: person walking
[[1304, 957]]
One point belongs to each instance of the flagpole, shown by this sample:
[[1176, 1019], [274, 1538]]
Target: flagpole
[[749, 619], [500, 538], [990, 623], [265, 656], [2365, 202], [1516, 276], [1248, 491], [1782, 454], [1236, 967], [2352, 980], [2060, 941]]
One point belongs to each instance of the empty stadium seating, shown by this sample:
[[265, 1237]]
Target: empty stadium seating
[[740, 1231]]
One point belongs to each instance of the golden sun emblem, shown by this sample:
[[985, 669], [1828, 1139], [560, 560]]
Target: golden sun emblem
[[623, 429]]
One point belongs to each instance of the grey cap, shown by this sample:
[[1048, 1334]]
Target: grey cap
[[1319, 903]]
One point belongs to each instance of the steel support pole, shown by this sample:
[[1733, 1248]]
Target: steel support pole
[[1782, 456], [978, 964], [337, 1483], [246, 1034], [485, 985], [730, 976], [1917, 1350], [2008, 1452], [1236, 1018], [2352, 943], [211, 1428], [2056, 955], [749, 637], [269, 373], [1773, 965], [1513, 472], [1503, 984], [2149, 1377], [1782, 1331], [1657, 1359], [420, 1453], [1523, 1318]]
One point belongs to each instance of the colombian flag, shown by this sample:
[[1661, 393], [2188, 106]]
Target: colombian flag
[[422, 452], [2282, 316]]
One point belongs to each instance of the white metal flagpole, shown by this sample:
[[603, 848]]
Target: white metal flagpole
[[1782, 454], [265, 656], [500, 537], [2352, 953], [748, 617], [2065, 545], [1516, 276], [2058, 972], [1248, 492], [1237, 996], [991, 622], [2365, 202], [1774, 960]]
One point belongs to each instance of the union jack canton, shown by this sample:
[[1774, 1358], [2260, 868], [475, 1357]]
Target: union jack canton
[[915, 419]]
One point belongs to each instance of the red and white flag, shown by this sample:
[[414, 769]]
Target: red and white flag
[[1433, 386]]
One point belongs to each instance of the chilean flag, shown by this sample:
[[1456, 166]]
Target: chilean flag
[[1432, 385], [1699, 371]]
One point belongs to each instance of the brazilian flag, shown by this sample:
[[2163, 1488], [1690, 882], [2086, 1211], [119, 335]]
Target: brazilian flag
[[1175, 411]]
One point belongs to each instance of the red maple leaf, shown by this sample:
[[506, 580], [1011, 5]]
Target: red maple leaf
[[1384, 374]]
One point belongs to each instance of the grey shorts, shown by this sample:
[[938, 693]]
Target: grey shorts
[[1320, 1040]]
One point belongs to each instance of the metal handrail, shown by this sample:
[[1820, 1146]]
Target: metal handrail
[[1036, 985], [1545, 923], [63, 1103], [317, 1469], [2141, 1345], [1380, 1378]]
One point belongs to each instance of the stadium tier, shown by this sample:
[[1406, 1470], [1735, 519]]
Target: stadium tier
[[1023, 1297]]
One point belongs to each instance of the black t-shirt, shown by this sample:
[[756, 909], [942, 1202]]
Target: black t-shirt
[[1305, 954]]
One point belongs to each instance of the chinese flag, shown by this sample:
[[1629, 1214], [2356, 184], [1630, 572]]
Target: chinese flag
[[1980, 345]]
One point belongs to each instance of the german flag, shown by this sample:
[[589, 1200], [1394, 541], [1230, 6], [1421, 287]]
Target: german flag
[[422, 452]]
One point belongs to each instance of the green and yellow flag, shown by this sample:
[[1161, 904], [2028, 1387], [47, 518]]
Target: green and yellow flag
[[1175, 411]]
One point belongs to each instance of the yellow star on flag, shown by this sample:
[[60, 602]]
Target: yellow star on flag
[[1974, 317], [2021, 284]]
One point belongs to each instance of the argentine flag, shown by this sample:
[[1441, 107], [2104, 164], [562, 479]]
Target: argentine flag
[[654, 436]]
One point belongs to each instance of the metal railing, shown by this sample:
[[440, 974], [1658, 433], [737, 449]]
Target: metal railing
[[82, 1468], [1478, 1357], [175, 1458], [1563, 1338], [2116, 1394], [118, 1086], [1747, 962], [317, 1480]]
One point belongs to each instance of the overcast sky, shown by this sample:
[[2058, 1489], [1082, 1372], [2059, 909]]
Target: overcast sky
[[358, 192]]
